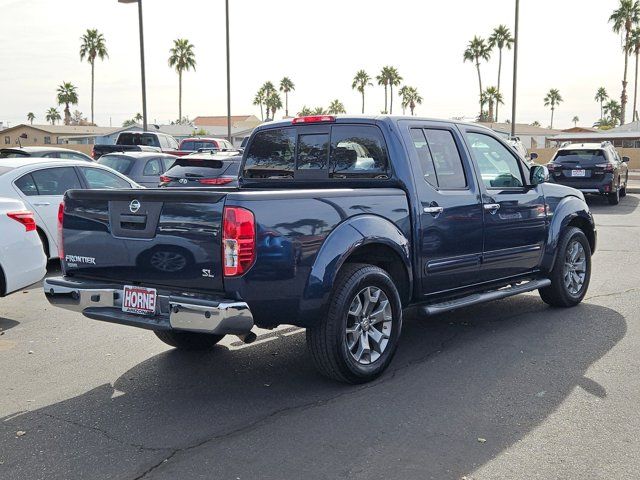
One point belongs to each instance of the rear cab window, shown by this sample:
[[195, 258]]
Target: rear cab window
[[145, 139], [318, 151]]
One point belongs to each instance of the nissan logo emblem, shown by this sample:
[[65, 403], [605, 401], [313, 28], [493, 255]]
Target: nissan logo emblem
[[134, 206]]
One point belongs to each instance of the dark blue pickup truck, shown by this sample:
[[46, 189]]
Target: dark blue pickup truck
[[337, 225]]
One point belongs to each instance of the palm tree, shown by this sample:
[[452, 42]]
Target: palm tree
[[286, 86], [552, 99], [67, 94], [403, 92], [501, 38], [394, 81], [53, 115], [477, 50], [267, 90], [383, 79], [535, 123], [634, 47], [624, 17], [31, 117], [137, 117], [601, 96], [575, 120], [492, 97], [93, 46], [336, 107], [360, 82], [182, 58], [273, 103], [318, 111], [410, 98], [612, 109], [305, 111], [259, 100]]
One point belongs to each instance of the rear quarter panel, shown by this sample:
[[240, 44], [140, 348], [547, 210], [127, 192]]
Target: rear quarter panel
[[292, 227]]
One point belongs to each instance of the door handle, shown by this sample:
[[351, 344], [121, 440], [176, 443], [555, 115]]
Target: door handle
[[435, 211], [42, 204], [492, 207]]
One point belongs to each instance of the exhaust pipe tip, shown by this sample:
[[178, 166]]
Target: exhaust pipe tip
[[248, 337]]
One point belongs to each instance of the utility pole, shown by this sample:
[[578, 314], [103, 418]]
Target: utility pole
[[515, 72], [228, 75]]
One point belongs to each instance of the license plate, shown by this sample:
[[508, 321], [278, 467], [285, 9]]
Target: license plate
[[578, 173], [139, 300]]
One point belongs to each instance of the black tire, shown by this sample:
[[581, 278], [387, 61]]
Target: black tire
[[557, 294], [188, 340], [45, 243], [327, 341], [614, 197], [623, 190]]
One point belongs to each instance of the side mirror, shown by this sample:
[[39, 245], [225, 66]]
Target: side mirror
[[625, 159], [539, 174], [533, 156]]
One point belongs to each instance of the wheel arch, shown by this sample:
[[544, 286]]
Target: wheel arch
[[45, 238], [362, 239], [3, 283]]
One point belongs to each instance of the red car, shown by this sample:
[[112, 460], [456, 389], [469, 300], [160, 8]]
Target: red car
[[191, 145]]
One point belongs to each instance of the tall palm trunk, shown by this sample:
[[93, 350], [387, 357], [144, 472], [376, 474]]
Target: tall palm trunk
[[261, 112], [623, 96], [391, 99], [412, 106], [286, 104], [601, 110], [552, 109], [499, 73], [491, 110], [180, 97], [480, 85], [92, 86], [67, 114], [363, 101], [634, 115], [385, 99]]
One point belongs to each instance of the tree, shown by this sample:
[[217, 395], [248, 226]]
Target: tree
[[623, 18], [77, 118], [410, 98], [383, 80], [601, 96], [500, 38], [53, 115], [612, 114], [492, 97], [93, 46], [319, 111], [67, 95], [182, 58], [575, 120], [634, 47], [535, 123], [394, 81], [31, 117], [259, 100], [477, 50], [138, 117], [129, 123], [336, 107], [273, 103], [305, 111], [552, 99], [360, 82], [403, 92], [286, 86]]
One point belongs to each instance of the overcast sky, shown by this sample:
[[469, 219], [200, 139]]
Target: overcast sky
[[564, 44]]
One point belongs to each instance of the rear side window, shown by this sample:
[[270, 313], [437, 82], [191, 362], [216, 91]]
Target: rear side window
[[26, 185], [439, 158], [585, 158], [56, 181], [98, 178], [153, 167], [358, 151], [119, 164], [271, 154]]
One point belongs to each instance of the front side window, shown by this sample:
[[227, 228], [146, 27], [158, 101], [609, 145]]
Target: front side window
[[55, 181], [358, 151], [498, 167], [271, 154], [98, 178]]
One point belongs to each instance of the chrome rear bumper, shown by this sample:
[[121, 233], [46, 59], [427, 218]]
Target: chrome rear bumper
[[100, 301]]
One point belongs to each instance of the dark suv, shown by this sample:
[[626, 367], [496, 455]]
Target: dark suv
[[591, 168]]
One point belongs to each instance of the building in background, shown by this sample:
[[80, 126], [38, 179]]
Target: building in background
[[531, 137], [216, 126], [32, 135]]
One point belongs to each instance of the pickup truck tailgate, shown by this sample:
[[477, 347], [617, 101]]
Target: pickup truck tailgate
[[164, 238]]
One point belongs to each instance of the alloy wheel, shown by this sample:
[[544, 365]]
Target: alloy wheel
[[575, 267]]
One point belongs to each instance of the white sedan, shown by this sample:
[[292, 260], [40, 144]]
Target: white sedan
[[41, 183], [22, 260]]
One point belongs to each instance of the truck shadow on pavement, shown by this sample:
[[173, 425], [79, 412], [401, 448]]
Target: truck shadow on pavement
[[492, 372], [600, 204]]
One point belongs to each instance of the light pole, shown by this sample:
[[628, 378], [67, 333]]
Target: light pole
[[226, 4], [515, 72], [144, 83]]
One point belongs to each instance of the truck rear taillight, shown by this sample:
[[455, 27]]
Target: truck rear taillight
[[215, 181], [25, 217], [238, 241], [60, 225]]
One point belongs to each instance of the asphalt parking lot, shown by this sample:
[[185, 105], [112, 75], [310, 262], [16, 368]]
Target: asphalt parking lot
[[511, 389]]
